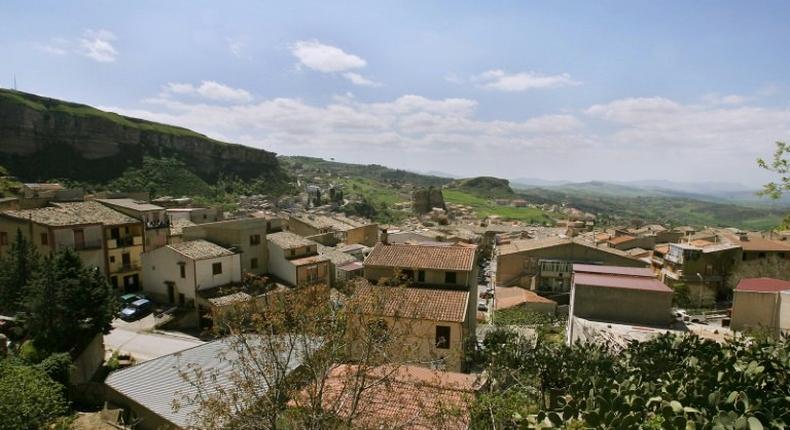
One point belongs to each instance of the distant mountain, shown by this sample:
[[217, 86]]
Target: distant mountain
[[484, 186], [710, 188], [535, 182]]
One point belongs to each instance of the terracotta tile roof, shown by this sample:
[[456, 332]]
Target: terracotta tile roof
[[765, 285], [76, 213], [412, 303], [524, 245], [508, 297], [402, 397], [200, 249], [457, 258], [620, 239], [288, 240]]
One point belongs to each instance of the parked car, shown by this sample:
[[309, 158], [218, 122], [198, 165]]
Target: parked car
[[482, 306], [137, 309], [130, 298]]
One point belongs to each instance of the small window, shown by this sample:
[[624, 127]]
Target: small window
[[183, 268], [761, 255], [442, 337], [449, 277], [216, 268], [253, 263], [255, 239], [3, 238], [421, 276], [112, 259]]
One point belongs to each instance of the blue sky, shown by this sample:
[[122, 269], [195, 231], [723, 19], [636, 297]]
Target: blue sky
[[688, 91]]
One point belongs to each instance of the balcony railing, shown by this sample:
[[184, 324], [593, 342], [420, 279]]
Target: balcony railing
[[124, 242], [87, 245], [129, 267]]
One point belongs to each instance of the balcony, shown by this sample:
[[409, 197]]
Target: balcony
[[128, 267], [124, 242]]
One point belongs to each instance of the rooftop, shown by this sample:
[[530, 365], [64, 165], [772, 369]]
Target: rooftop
[[413, 303], [177, 226], [136, 205], [76, 213], [288, 240], [620, 281], [765, 285], [508, 297], [155, 384], [200, 249], [523, 245], [423, 256], [336, 223], [409, 397], [620, 239], [756, 242]]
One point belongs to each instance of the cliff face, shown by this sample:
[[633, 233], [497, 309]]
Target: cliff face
[[42, 138]]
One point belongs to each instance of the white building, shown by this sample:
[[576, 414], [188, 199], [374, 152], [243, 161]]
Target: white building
[[174, 273]]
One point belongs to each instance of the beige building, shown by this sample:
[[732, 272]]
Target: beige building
[[295, 260], [154, 218], [444, 265], [246, 236], [762, 304], [195, 215], [758, 246], [429, 326], [334, 229], [618, 295], [547, 264], [626, 242], [102, 237]]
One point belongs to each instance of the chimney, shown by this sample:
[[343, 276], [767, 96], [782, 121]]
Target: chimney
[[383, 237]]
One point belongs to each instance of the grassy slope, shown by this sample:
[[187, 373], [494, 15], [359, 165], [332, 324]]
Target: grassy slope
[[312, 165], [484, 207]]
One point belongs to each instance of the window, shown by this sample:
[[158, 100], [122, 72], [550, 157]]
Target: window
[[421, 276], [112, 259], [761, 255], [183, 269], [3, 238], [449, 277], [442, 337], [253, 263], [44, 239], [216, 268], [255, 239], [79, 239]]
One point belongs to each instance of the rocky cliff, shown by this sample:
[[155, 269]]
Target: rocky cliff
[[425, 199], [43, 138]]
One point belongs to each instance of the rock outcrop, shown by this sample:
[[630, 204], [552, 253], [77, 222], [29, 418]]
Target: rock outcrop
[[43, 138], [425, 199]]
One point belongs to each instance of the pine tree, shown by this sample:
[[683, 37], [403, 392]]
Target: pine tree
[[16, 271]]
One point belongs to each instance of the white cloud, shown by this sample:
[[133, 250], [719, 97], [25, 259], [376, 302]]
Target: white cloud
[[97, 45], [56, 46], [210, 90], [357, 79], [503, 81], [325, 58]]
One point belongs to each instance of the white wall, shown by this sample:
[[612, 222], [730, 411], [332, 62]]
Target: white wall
[[231, 272], [279, 266], [162, 265]]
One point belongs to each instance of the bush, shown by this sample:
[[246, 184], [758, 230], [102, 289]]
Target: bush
[[29, 399]]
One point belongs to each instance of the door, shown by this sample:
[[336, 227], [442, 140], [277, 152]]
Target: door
[[171, 292], [79, 239], [126, 260]]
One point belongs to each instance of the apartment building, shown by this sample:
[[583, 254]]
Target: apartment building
[[295, 260], [247, 236], [333, 229]]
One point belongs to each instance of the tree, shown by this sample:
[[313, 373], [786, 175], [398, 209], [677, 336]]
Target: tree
[[67, 303], [16, 270], [780, 165], [29, 399], [304, 323]]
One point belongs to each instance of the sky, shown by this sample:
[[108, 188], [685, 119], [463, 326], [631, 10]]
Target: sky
[[604, 90]]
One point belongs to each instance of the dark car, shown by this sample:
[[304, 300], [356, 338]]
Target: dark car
[[137, 309]]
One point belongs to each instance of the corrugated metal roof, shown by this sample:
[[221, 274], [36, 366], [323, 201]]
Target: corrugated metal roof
[[766, 285], [155, 384], [613, 270], [457, 258], [618, 281]]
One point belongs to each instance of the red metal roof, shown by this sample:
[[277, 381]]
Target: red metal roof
[[765, 285], [619, 281], [614, 270]]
